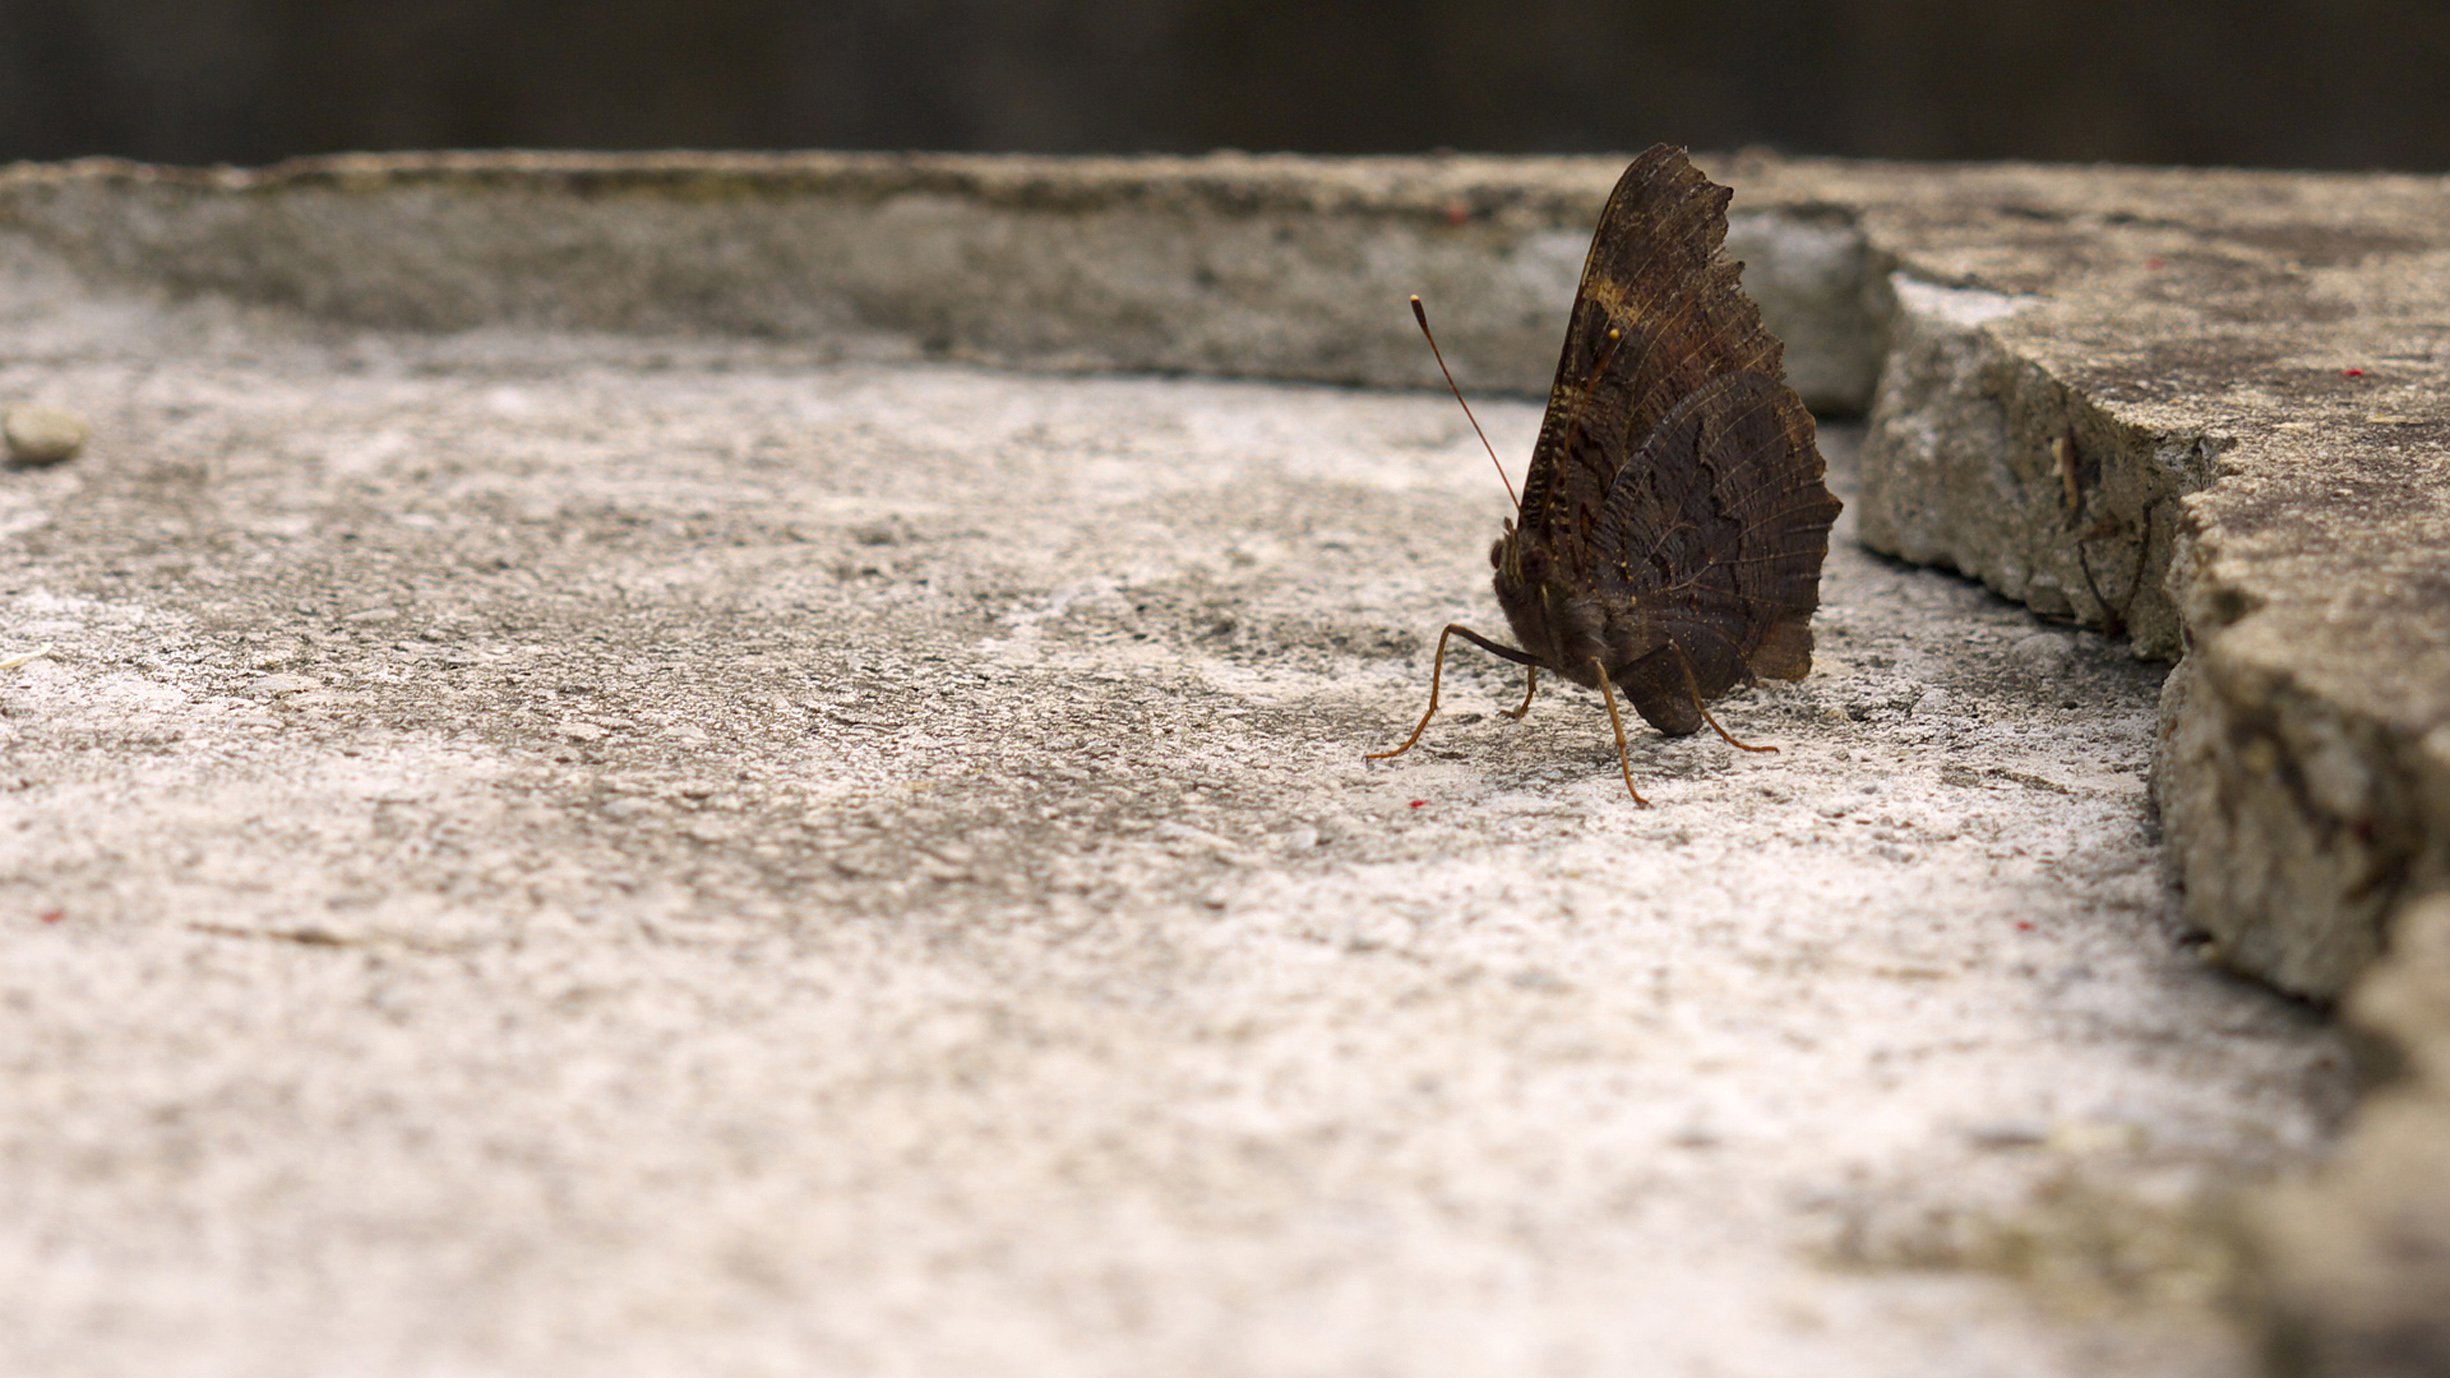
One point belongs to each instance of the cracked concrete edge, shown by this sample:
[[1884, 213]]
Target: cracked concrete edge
[[1984, 461], [2242, 457]]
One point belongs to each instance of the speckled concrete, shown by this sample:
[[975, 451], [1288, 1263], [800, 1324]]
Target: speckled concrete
[[2067, 358], [2200, 410], [533, 853]]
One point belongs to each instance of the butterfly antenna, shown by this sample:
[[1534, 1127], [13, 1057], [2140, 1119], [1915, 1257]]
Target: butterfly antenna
[[1421, 314]]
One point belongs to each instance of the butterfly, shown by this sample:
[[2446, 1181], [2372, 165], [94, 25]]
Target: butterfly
[[1669, 537]]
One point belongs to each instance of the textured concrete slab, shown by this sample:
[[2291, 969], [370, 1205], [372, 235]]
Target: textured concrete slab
[[535, 852], [2069, 358], [2203, 411]]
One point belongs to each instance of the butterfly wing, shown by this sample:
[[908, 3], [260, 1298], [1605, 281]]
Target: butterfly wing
[[1656, 276], [1709, 547]]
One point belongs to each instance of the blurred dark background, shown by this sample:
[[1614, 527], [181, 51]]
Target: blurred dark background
[[2336, 84]]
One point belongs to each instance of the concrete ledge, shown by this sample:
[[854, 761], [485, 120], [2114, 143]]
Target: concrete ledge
[[1236, 266], [2206, 410]]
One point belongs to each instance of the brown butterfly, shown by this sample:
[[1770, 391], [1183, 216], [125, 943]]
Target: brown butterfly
[[1669, 538]]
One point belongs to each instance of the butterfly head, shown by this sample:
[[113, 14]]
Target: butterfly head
[[1518, 562], [1524, 569]]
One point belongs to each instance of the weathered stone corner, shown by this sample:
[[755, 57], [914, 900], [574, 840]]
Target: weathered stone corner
[[1981, 460], [2205, 411]]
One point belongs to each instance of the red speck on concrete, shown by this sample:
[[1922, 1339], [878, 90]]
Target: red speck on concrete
[[2023, 927], [52, 915], [1417, 803], [2352, 373]]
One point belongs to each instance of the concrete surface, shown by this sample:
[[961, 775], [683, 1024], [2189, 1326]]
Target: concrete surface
[[545, 853], [2068, 358], [2355, 1264], [2200, 410]]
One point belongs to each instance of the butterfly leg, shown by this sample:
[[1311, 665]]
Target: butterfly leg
[[1437, 671], [1531, 685], [1693, 687], [1607, 695]]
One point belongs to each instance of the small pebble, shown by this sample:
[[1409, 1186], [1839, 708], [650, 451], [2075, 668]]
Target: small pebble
[[43, 435], [2043, 651]]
